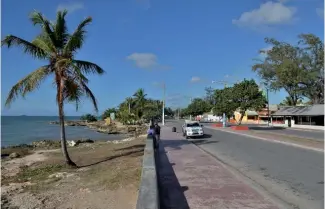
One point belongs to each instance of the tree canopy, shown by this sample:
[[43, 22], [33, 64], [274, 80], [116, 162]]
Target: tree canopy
[[298, 69], [223, 102], [245, 96], [138, 108], [108, 112], [198, 106]]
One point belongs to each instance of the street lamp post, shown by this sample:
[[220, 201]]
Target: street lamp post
[[190, 114], [264, 85], [268, 107], [163, 106]]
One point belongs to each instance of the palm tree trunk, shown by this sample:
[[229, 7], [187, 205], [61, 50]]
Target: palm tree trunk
[[63, 139], [129, 107], [62, 127]]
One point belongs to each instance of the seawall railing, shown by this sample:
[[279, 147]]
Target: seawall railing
[[148, 196]]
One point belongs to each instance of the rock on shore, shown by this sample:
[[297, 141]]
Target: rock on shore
[[70, 123]]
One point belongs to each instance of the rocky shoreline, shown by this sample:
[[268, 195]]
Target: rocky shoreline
[[101, 127]]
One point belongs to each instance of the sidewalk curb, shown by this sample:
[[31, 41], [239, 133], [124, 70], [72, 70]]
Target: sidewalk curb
[[272, 141]]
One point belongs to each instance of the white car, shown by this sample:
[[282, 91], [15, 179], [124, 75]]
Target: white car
[[192, 129]]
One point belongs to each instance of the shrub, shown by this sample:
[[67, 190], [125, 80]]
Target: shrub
[[88, 118]]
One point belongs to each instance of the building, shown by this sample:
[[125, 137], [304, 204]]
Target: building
[[250, 116], [310, 117], [264, 116], [256, 117]]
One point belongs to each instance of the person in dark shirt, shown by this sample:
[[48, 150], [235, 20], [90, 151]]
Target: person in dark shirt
[[156, 134]]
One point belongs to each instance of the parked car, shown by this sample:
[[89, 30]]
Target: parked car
[[192, 129]]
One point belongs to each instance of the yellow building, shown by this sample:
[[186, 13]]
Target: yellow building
[[249, 117]]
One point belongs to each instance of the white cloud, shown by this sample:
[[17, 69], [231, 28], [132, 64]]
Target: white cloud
[[320, 12], [143, 60], [269, 14], [71, 7], [195, 79], [146, 61]]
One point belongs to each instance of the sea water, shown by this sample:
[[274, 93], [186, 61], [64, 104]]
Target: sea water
[[26, 129]]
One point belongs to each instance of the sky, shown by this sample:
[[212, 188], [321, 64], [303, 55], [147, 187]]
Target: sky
[[185, 44]]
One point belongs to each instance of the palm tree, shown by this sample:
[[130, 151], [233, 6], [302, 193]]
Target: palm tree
[[56, 46], [129, 101], [140, 100]]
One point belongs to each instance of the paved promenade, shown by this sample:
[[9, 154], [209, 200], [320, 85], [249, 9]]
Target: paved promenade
[[191, 178]]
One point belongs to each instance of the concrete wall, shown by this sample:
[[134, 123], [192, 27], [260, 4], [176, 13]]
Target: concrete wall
[[308, 127], [148, 196], [293, 125]]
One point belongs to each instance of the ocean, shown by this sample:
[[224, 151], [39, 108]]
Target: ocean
[[26, 129]]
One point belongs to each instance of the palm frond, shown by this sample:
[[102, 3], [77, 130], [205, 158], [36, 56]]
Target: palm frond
[[45, 44], [28, 84], [76, 40], [88, 67], [28, 47], [72, 92], [60, 29], [39, 19], [90, 95]]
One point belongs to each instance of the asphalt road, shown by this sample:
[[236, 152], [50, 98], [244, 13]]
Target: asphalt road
[[291, 175]]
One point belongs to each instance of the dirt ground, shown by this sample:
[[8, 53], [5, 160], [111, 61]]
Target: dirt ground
[[107, 176]]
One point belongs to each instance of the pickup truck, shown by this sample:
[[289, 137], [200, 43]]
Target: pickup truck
[[192, 129]]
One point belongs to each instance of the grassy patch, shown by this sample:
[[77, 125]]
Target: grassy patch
[[33, 174]]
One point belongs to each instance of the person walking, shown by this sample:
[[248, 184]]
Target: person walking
[[156, 134]]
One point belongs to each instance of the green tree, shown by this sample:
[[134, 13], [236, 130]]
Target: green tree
[[223, 102], [245, 96], [184, 112], [140, 101], [129, 101], [281, 68], [125, 117], [209, 95], [107, 113], [88, 118], [313, 65], [169, 112], [298, 69], [58, 48], [198, 106]]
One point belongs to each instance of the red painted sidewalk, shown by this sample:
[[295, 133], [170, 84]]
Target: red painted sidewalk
[[191, 178]]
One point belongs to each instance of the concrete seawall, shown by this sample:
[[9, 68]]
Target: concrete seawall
[[148, 197]]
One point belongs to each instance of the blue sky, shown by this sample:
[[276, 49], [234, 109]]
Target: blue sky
[[142, 43]]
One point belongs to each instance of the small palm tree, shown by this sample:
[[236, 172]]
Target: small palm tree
[[55, 45], [129, 101], [140, 101]]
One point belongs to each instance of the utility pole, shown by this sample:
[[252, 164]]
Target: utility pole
[[163, 108], [191, 114], [268, 107]]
